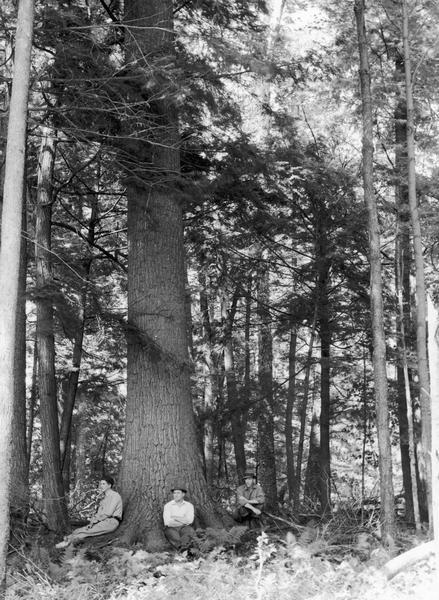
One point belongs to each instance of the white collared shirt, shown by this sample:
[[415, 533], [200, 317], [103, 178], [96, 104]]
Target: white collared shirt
[[177, 514]]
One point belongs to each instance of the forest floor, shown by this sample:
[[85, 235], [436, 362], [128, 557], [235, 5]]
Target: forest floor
[[261, 566]]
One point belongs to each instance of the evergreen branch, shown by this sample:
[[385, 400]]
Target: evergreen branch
[[105, 252]]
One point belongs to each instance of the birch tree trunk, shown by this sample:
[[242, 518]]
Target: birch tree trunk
[[379, 342], [421, 299], [10, 254]]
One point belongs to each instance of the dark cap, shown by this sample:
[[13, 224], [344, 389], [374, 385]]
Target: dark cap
[[182, 488]]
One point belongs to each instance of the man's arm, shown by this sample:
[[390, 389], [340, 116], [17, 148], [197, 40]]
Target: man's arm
[[187, 518], [257, 495], [111, 506]]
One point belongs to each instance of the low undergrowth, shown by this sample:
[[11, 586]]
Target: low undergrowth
[[275, 569]]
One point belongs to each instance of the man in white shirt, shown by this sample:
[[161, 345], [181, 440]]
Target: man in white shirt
[[178, 516]]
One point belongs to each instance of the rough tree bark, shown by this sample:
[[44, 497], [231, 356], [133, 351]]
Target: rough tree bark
[[379, 343], [53, 493], [10, 254], [161, 445], [19, 494]]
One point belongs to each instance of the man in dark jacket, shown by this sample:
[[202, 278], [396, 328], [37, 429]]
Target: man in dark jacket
[[250, 500]]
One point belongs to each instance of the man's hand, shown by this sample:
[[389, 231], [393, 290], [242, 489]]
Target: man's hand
[[253, 508]]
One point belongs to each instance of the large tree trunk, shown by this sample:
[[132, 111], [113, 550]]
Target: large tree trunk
[[421, 298], [10, 256], [265, 409], [53, 493], [379, 343], [161, 445]]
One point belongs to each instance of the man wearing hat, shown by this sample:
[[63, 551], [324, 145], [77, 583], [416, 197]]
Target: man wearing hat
[[178, 516], [250, 498]]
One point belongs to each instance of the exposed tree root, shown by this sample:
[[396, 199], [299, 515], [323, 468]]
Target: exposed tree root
[[407, 559]]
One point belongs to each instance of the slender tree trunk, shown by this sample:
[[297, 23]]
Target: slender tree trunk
[[421, 298], [303, 414], [209, 380], [433, 353], [245, 395], [402, 282], [323, 264], [10, 255], [408, 406], [19, 494], [6, 73], [313, 476], [379, 343], [233, 404], [291, 401], [266, 416], [53, 493], [82, 432], [161, 443], [73, 378], [32, 404]]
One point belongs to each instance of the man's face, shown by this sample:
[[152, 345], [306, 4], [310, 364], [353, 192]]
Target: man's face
[[248, 481], [104, 485], [178, 495]]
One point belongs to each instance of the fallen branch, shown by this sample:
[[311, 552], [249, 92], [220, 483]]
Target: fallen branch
[[409, 558], [289, 523]]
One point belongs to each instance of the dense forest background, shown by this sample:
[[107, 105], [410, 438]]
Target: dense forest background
[[195, 288]]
